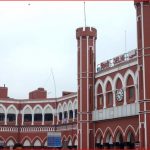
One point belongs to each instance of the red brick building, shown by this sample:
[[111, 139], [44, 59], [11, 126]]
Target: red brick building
[[110, 109]]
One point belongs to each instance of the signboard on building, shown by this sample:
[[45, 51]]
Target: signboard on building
[[54, 139]]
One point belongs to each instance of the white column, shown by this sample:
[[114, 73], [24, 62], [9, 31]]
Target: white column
[[136, 93], [53, 118], [104, 100], [73, 114], [5, 123], [125, 97], [114, 98], [22, 119], [62, 116], [95, 101], [16, 119], [32, 119], [43, 119], [57, 117]]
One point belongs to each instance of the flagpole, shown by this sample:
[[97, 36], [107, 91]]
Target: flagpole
[[84, 15]]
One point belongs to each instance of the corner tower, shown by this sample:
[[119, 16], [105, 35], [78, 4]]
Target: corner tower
[[143, 39], [86, 41]]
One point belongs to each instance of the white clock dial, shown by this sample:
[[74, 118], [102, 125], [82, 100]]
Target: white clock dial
[[119, 95]]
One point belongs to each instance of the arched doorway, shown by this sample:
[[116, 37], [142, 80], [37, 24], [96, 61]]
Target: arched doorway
[[130, 140], [99, 142], [109, 141], [119, 143]]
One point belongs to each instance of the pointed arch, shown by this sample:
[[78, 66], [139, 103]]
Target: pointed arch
[[75, 104], [37, 141], [118, 76], [99, 82], [65, 106], [99, 138], [108, 135], [118, 135], [130, 131], [2, 109], [59, 112], [70, 109], [1, 138], [65, 112], [99, 97], [48, 109], [64, 141], [45, 141], [26, 143], [37, 109], [63, 138], [12, 109], [2, 113], [74, 140], [69, 140], [127, 74], [10, 141], [70, 105], [27, 109], [109, 98], [26, 137], [118, 128], [99, 131], [108, 79], [59, 108]]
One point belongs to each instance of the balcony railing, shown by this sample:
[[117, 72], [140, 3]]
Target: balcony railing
[[116, 112], [117, 60]]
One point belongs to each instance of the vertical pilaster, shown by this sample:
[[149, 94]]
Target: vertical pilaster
[[86, 38]]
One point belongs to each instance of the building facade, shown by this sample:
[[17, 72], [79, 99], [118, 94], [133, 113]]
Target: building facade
[[111, 106]]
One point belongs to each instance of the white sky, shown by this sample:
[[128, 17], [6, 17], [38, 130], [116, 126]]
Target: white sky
[[39, 37]]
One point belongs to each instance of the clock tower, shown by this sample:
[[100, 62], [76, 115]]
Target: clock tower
[[86, 40]]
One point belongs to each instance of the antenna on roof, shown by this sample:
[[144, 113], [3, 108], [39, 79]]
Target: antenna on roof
[[84, 15], [53, 81]]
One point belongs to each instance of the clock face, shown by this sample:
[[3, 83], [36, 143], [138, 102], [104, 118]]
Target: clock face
[[119, 95]]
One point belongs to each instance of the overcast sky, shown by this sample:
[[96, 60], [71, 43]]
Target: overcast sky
[[37, 37]]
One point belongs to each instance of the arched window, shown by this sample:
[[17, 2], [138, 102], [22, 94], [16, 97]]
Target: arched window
[[2, 114], [38, 114], [48, 116], [70, 110], [109, 95], [130, 90], [99, 97], [75, 109], [27, 115], [65, 113], [59, 111], [11, 115]]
